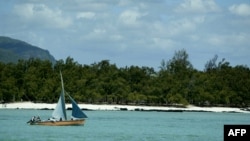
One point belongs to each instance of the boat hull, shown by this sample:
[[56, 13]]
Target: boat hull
[[60, 123]]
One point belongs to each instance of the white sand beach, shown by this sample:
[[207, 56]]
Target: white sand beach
[[31, 105]]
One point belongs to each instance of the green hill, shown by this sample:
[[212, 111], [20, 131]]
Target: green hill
[[11, 50]]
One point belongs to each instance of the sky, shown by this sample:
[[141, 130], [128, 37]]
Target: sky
[[132, 32]]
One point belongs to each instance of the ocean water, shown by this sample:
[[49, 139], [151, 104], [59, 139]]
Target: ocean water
[[121, 126]]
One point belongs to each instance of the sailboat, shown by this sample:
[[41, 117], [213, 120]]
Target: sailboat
[[59, 116]]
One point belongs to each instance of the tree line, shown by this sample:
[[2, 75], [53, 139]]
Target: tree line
[[176, 83]]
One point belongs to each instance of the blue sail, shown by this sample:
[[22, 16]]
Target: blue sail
[[60, 112], [76, 111]]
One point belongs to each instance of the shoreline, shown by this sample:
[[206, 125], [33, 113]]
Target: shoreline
[[107, 107]]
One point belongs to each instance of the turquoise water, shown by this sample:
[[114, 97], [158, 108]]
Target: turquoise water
[[121, 126]]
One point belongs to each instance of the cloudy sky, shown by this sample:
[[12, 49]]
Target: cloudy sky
[[132, 32]]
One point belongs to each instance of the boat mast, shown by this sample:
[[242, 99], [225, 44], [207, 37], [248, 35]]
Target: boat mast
[[63, 97], [62, 84]]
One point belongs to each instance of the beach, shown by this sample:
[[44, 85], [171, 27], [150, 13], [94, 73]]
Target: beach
[[107, 107]]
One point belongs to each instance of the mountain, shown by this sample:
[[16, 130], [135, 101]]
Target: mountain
[[11, 50]]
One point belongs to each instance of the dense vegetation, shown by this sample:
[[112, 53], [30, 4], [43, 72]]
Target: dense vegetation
[[176, 83]]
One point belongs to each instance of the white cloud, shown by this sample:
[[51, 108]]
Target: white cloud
[[130, 17], [228, 41], [196, 6], [99, 31], [85, 15], [116, 37], [241, 9], [119, 28], [42, 15], [97, 34], [164, 43], [184, 25]]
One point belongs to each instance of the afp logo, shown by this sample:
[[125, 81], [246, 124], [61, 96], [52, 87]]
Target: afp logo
[[236, 132]]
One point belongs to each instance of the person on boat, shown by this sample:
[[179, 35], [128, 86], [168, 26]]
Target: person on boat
[[52, 119], [38, 118], [33, 118]]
